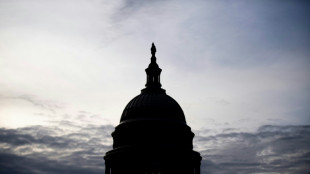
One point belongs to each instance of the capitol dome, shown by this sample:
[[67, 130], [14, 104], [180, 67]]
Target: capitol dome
[[152, 136]]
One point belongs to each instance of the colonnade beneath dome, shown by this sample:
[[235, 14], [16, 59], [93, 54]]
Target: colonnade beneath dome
[[109, 170]]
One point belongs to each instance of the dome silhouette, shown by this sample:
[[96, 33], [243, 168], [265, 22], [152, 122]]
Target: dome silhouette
[[152, 136], [155, 105]]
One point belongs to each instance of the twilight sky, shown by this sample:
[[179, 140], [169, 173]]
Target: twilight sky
[[239, 69]]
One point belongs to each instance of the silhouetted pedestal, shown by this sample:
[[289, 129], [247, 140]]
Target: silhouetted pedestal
[[152, 137]]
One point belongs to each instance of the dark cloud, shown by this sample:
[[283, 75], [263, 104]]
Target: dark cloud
[[278, 149], [63, 149], [11, 163], [70, 148]]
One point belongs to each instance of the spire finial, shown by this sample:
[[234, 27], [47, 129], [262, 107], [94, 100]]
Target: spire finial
[[153, 49], [153, 72]]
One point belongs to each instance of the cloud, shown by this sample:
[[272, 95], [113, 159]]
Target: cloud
[[48, 105], [39, 149], [238, 52], [36, 165], [71, 148], [278, 149]]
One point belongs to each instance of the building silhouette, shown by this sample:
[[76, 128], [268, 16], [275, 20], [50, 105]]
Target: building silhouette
[[152, 137]]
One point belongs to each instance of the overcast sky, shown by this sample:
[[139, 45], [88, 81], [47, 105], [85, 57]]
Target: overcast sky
[[233, 66]]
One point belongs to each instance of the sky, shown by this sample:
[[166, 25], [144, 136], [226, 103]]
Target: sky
[[239, 69]]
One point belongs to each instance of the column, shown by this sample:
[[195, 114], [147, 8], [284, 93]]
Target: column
[[107, 170]]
